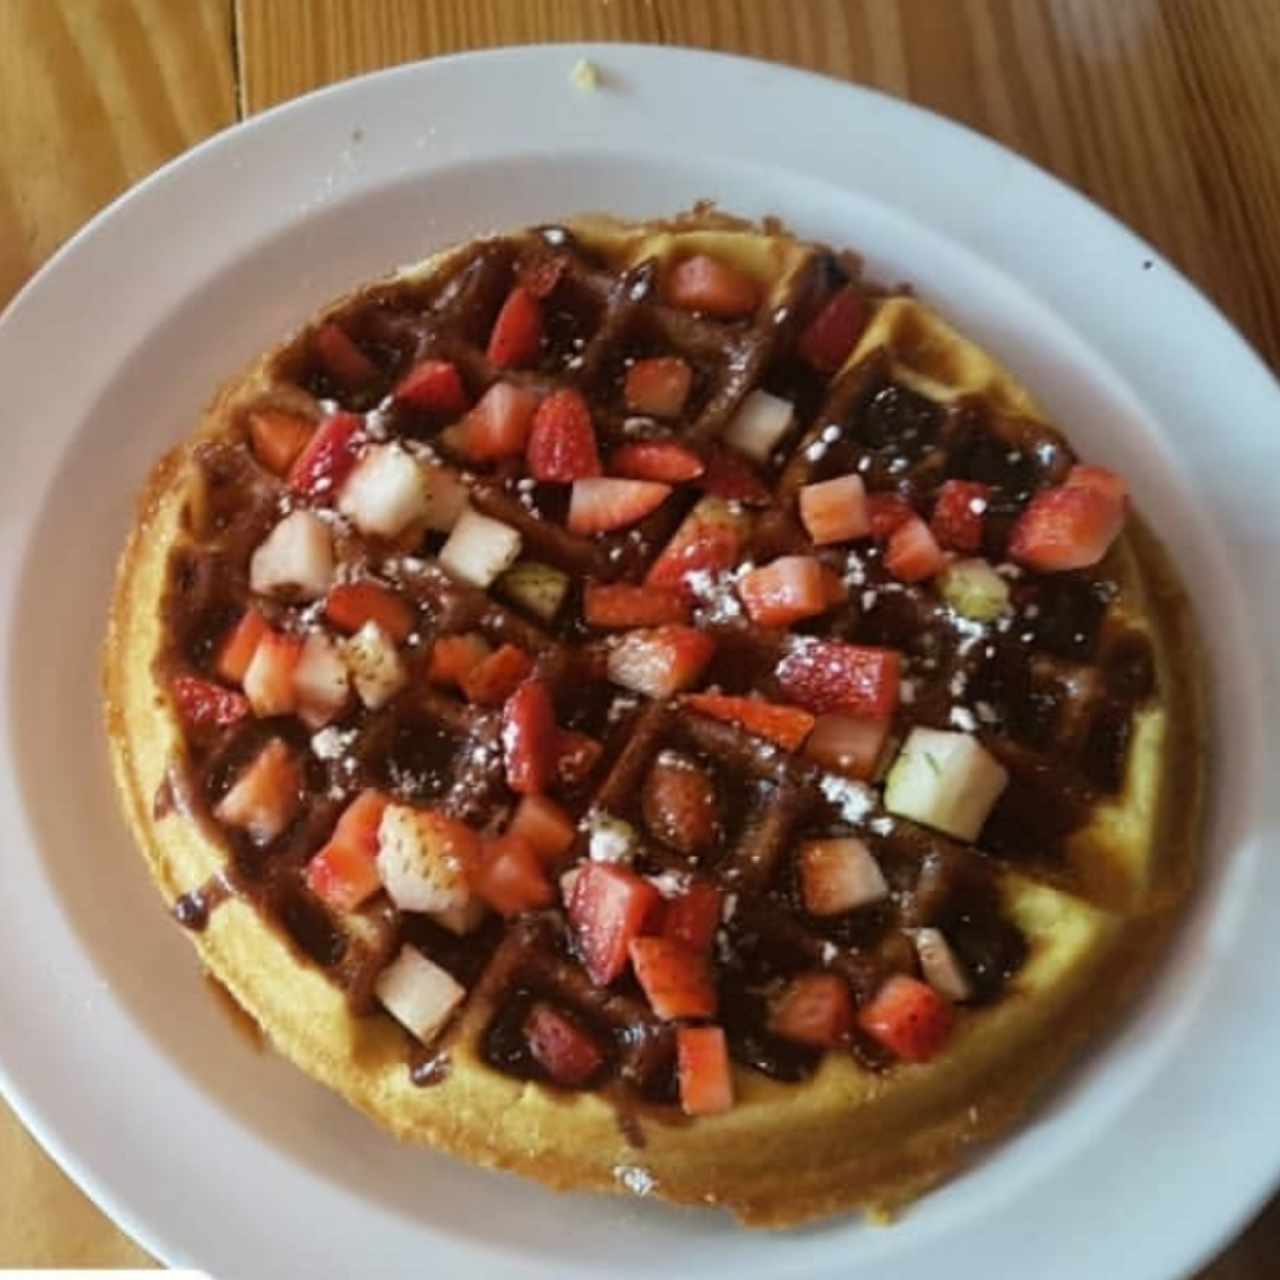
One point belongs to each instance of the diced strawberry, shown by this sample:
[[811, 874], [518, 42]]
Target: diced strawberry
[[829, 675], [676, 979], [693, 917], [958, 514], [887, 513], [530, 738], [787, 726], [433, 386], [349, 605], [541, 275], [1071, 526], [329, 457], [201, 703], [658, 386], [577, 755], [321, 681], [492, 681], [498, 426], [839, 875], [833, 333], [563, 1049], [265, 797], [512, 878], [704, 283], [268, 680], [562, 440], [833, 587], [608, 908], [849, 745], [786, 591], [661, 661], [730, 476], [710, 540], [342, 359], [913, 553], [909, 1018], [706, 1077], [238, 648], [517, 332], [278, 437], [814, 1009], [662, 460], [601, 504], [679, 803], [344, 873], [453, 656], [545, 825], [1108, 483], [835, 510], [623, 604]]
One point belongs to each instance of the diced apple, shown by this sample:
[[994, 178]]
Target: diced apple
[[264, 798], [296, 559], [974, 589], [839, 875], [540, 588], [423, 857], [385, 494], [321, 681], [479, 549], [945, 780], [760, 423], [940, 965], [419, 994], [377, 670]]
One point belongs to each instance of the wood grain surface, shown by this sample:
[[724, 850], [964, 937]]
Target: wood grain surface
[[1161, 110]]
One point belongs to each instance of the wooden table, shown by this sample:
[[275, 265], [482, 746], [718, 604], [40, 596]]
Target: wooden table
[[1157, 109]]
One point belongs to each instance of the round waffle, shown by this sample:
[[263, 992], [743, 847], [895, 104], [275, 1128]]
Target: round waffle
[[703, 744]]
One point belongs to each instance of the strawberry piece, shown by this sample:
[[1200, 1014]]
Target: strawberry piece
[[789, 590], [277, 438], [345, 872], [693, 917], [498, 426], [577, 755], [849, 745], [567, 1053], [833, 333], [909, 1018], [622, 604], [662, 460], [268, 680], [433, 386], [913, 553], [1071, 526], [608, 908], [541, 275], [342, 359], [676, 979], [710, 540], [349, 605], [703, 283], [835, 510], [329, 457], [729, 476], [679, 803], [601, 504], [1102, 481], [562, 440], [887, 513], [493, 680], [705, 1075], [958, 514], [833, 587], [453, 656], [203, 704], [829, 675], [238, 648], [658, 386], [545, 825], [265, 797], [814, 1009], [839, 875], [787, 726], [530, 738], [517, 332], [661, 661], [511, 877]]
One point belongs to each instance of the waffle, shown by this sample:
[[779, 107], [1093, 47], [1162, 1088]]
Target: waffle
[[702, 768]]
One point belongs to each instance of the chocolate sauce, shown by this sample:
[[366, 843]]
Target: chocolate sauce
[[192, 909]]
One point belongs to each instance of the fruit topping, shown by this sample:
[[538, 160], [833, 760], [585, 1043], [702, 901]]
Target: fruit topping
[[434, 386], [676, 980], [238, 648], [278, 438], [662, 460], [479, 549], [659, 387], [848, 745], [839, 875], [703, 283], [545, 825], [1073, 525], [562, 440], [269, 679], [708, 542], [517, 332], [424, 858], [377, 670], [608, 908], [498, 427], [567, 1052], [913, 553], [343, 361], [349, 605], [941, 967], [760, 423], [787, 591], [540, 588], [495, 678], [661, 661], [385, 493], [619, 605], [909, 1018], [787, 726], [945, 780], [814, 1009], [453, 656], [530, 738], [345, 873], [295, 562], [693, 916], [829, 675], [321, 682], [264, 798], [679, 803], [418, 993], [512, 878], [705, 1076], [603, 504], [835, 510], [203, 704], [830, 337], [974, 589], [328, 457], [959, 513]]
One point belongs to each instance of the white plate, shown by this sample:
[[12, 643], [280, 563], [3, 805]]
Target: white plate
[[216, 1156]]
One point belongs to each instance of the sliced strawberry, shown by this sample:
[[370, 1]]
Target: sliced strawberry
[[787, 726], [710, 541], [601, 504], [570, 1055], [530, 738], [541, 275], [329, 458], [238, 648], [491, 682], [848, 745], [577, 755], [434, 386], [265, 797], [562, 440], [608, 908], [545, 825], [676, 979], [679, 803], [661, 661], [704, 1071], [958, 514], [658, 386], [835, 510], [1068, 527], [517, 332], [278, 437], [342, 359], [511, 877], [622, 604], [789, 590], [662, 460], [829, 675], [345, 872], [268, 680], [730, 476], [498, 426], [909, 1018], [839, 875], [704, 283], [452, 657], [349, 605], [887, 513], [693, 917], [814, 1009], [202, 704], [913, 553], [1108, 483], [833, 333]]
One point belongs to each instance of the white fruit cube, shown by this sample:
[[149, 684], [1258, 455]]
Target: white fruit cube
[[464, 919], [945, 780], [376, 667], [418, 869], [761, 421], [839, 875], [446, 497], [420, 995], [386, 492], [941, 967], [264, 798], [479, 549], [296, 559], [321, 682]]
